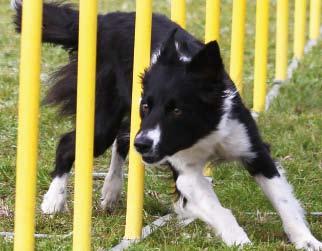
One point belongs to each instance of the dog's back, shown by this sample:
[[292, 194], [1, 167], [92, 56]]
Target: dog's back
[[115, 46]]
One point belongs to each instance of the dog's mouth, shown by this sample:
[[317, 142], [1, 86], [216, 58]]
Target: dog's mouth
[[152, 159]]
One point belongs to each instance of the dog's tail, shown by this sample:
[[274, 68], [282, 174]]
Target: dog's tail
[[60, 23]]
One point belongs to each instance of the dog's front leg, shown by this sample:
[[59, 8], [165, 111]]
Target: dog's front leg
[[112, 188], [197, 199], [272, 181], [280, 193]]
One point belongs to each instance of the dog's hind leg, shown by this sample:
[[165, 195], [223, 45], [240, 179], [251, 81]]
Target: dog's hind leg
[[55, 198], [113, 183], [197, 199], [272, 181], [107, 123]]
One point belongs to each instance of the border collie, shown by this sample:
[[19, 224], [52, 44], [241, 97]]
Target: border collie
[[191, 113]]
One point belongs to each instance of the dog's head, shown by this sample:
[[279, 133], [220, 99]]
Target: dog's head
[[181, 101]]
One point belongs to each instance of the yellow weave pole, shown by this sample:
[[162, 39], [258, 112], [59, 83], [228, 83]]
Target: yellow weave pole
[[299, 28], [28, 125], [178, 12], [282, 14], [212, 29], [142, 47], [260, 64], [237, 43], [85, 124], [212, 32], [315, 18]]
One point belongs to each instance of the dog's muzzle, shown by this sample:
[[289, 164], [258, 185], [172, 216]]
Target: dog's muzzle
[[144, 146]]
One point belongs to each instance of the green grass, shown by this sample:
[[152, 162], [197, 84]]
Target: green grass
[[293, 125]]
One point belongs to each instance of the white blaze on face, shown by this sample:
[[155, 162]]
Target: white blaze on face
[[152, 134]]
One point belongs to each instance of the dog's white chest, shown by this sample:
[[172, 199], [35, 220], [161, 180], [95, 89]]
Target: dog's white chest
[[231, 141]]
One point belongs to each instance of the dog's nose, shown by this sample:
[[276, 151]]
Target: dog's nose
[[143, 144]]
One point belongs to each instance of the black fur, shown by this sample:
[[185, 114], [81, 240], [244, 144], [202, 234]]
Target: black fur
[[196, 87], [191, 113]]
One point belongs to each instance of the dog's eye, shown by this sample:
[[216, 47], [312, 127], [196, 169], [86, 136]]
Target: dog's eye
[[177, 112], [145, 108]]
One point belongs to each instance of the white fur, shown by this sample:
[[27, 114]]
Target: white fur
[[203, 203], [230, 138], [113, 182], [154, 135], [280, 193], [155, 56], [182, 57], [15, 3], [55, 199], [157, 52]]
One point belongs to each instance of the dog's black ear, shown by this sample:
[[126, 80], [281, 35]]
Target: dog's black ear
[[207, 61], [169, 52]]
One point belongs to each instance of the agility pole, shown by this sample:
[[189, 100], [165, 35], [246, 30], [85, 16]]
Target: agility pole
[[212, 26], [142, 48], [212, 32], [178, 12], [237, 43], [85, 124], [299, 28], [315, 17], [28, 116], [260, 64], [281, 50]]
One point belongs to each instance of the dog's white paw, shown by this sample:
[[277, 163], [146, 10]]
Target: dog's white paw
[[309, 244], [53, 202], [111, 192], [235, 237], [55, 199]]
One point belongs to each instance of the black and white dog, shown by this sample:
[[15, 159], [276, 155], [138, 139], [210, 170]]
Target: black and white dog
[[191, 113]]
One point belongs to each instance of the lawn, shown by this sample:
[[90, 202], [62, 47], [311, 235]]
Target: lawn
[[293, 126]]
